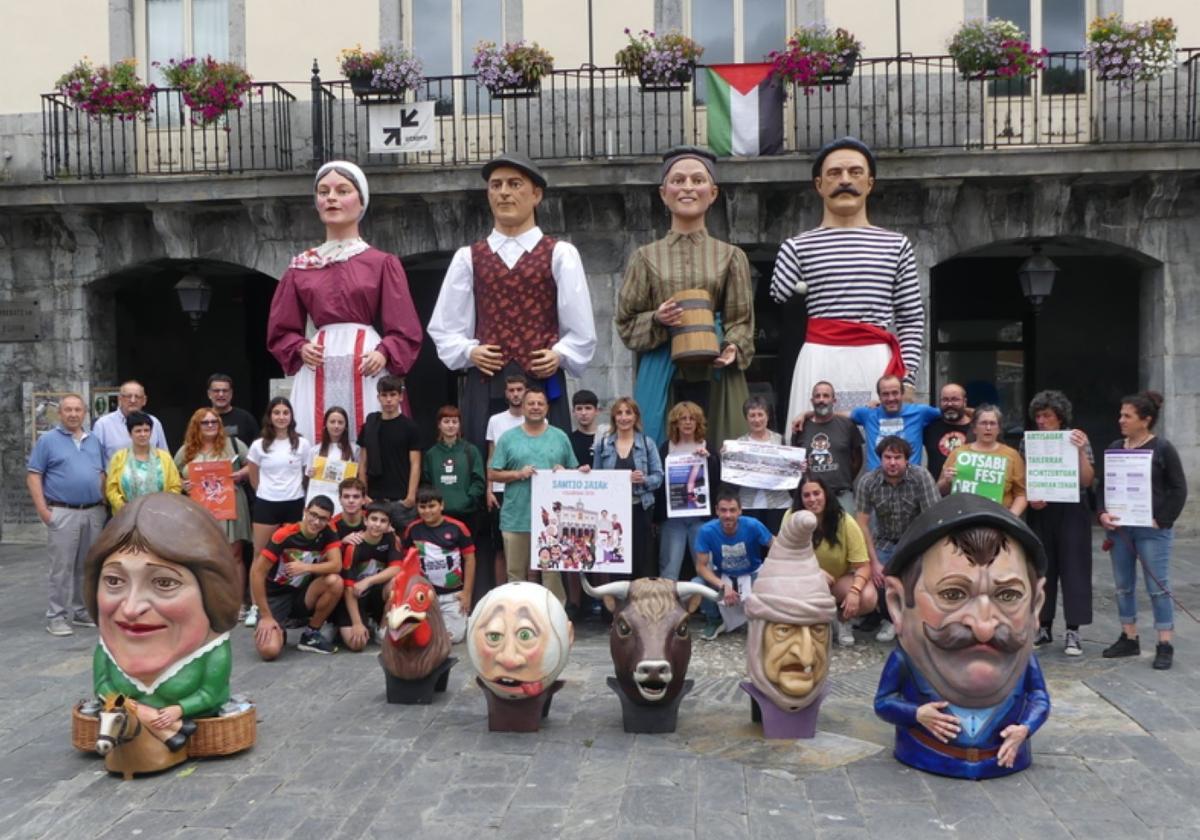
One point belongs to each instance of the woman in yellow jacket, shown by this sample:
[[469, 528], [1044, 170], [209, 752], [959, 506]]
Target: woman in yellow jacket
[[140, 469]]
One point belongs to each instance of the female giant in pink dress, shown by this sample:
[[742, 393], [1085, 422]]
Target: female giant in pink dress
[[358, 300]]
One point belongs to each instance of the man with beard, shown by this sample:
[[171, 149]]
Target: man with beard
[[963, 689], [858, 278], [832, 445], [951, 430]]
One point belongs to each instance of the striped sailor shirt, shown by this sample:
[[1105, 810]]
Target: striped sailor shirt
[[863, 274]]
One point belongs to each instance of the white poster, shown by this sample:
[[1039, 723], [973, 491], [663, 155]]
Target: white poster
[[580, 522], [1127, 486], [687, 485], [401, 127], [765, 466], [1051, 467]]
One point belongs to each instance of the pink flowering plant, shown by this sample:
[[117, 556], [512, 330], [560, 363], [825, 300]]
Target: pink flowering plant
[[814, 54], [107, 91], [659, 59], [1131, 52], [519, 65], [994, 48], [210, 88]]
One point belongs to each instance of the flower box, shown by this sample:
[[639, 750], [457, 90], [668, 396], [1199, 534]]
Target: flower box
[[513, 71], [1130, 52], [107, 91], [386, 73], [994, 49], [816, 57], [662, 63], [210, 88]]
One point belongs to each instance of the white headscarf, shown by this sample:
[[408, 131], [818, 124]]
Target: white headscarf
[[348, 170]]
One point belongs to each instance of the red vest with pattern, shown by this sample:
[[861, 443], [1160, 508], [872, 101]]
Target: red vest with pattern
[[516, 309]]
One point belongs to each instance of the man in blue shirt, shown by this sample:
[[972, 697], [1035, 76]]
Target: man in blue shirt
[[111, 430], [66, 482], [893, 416], [727, 548]]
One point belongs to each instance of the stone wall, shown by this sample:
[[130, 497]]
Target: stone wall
[[62, 248]]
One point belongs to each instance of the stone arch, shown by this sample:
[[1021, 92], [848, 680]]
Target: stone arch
[[1091, 338], [138, 317]]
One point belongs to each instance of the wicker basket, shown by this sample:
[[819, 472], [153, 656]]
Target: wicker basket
[[214, 735]]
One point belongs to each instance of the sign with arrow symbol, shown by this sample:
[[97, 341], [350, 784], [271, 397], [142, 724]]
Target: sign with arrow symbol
[[400, 128]]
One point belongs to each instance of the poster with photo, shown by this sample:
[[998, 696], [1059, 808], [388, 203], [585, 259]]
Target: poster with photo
[[580, 522], [687, 486], [765, 466]]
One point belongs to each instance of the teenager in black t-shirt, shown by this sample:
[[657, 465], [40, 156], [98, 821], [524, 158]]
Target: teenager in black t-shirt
[[368, 569], [389, 451]]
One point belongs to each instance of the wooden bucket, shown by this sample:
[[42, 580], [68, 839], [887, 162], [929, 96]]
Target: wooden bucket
[[694, 341]]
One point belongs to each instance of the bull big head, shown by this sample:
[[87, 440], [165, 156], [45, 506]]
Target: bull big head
[[650, 641]]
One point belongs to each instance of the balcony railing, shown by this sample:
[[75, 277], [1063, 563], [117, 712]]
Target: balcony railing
[[598, 113], [256, 137]]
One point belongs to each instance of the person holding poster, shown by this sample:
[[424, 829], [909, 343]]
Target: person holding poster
[[335, 460], [1065, 528], [626, 448], [139, 469], [1167, 490], [686, 428], [346, 288], [767, 506], [206, 441], [650, 306], [987, 467]]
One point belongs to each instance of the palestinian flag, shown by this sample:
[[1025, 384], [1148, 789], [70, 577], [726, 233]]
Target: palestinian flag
[[745, 110]]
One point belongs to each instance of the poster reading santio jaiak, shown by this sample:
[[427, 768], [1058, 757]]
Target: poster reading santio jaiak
[[580, 522]]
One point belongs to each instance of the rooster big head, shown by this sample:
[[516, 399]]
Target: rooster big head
[[416, 641]]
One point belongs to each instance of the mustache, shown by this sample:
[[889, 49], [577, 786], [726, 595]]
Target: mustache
[[956, 636], [845, 189]]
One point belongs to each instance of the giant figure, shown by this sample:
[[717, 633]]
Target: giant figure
[[964, 689], [357, 298], [859, 280], [516, 302]]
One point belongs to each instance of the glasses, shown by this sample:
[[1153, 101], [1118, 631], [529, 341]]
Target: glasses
[[210, 422], [317, 517]]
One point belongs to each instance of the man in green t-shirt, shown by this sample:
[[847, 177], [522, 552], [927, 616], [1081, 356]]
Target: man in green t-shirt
[[520, 452]]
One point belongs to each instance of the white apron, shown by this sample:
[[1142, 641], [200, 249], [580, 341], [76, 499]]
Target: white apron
[[852, 370], [337, 381]]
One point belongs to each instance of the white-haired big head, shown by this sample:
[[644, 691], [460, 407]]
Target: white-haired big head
[[518, 638]]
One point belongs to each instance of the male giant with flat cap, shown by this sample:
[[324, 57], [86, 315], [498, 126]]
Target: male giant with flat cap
[[859, 280], [964, 689], [516, 302]]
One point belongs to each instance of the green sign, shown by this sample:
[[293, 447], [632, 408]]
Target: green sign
[[980, 473]]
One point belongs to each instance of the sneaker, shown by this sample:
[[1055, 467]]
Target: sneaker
[[312, 641], [1043, 637], [58, 626], [251, 617], [845, 634], [1072, 647], [1164, 652], [712, 628], [887, 631], [1124, 646], [82, 620]]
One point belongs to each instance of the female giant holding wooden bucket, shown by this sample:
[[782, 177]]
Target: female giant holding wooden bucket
[[686, 307]]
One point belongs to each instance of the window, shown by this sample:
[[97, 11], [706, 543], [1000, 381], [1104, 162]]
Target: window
[[1057, 25], [181, 28], [446, 45], [736, 31]]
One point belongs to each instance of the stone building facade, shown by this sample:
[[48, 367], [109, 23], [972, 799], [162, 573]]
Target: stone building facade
[[101, 259]]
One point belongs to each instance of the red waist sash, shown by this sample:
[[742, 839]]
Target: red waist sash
[[840, 333]]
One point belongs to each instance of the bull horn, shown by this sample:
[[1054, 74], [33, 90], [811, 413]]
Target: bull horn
[[618, 589], [686, 589]]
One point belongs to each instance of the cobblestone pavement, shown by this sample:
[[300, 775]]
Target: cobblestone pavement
[[1119, 758]]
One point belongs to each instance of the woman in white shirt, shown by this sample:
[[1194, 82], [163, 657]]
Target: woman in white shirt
[[278, 461]]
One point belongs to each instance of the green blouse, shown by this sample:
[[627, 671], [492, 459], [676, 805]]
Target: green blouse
[[198, 684]]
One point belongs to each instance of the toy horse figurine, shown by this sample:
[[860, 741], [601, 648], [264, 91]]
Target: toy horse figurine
[[416, 644], [129, 747]]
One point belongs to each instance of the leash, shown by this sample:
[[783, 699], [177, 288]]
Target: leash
[[1128, 541]]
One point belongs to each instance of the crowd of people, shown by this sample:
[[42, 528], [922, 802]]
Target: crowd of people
[[515, 315]]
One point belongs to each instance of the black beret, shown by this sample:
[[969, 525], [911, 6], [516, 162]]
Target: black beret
[[517, 161], [958, 512], [843, 143]]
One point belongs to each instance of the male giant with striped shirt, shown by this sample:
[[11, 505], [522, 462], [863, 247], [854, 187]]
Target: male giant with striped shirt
[[859, 280]]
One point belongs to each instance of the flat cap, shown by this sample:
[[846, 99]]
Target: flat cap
[[958, 512], [677, 153], [843, 143], [517, 161]]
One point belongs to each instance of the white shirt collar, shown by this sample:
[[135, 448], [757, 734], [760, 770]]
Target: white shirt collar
[[527, 240]]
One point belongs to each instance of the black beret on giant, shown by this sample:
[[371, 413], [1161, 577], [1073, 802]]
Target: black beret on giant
[[957, 512], [843, 143], [517, 161]]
